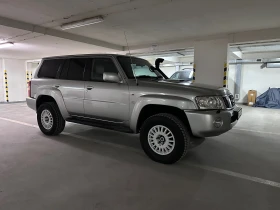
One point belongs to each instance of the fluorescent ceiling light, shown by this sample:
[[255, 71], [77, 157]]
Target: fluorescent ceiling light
[[7, 44], [83, 22]]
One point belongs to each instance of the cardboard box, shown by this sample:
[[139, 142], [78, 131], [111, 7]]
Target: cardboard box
[[252, 96]]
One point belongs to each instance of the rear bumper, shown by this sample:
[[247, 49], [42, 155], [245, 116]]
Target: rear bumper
[[213, 122], [31, 103]]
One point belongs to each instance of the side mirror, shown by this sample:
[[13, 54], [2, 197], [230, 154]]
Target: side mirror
[[111, 77]]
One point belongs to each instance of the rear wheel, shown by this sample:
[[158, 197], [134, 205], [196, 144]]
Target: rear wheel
[[164, 138], [49, 119]]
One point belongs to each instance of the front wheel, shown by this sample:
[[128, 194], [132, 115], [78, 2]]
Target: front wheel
[[49, 119], [164, 138]]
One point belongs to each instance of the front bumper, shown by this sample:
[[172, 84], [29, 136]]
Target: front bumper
[[204, 123], [31, 103]]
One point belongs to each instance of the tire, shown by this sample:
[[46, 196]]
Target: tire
[[51, 112], [154, 138]]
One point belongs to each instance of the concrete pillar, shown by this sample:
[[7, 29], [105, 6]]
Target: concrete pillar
[[210, 58]]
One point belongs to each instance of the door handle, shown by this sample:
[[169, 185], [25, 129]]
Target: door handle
[[89, 87], [56, 86]]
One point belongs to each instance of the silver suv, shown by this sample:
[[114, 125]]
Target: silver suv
[[128, 94]]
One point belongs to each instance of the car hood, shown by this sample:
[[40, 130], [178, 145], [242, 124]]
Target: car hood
[[190, 83], [179, 85]]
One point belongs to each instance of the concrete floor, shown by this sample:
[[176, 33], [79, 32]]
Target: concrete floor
[[90, 168]]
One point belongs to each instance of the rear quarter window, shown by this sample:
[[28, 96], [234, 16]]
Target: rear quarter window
[[50, 68]]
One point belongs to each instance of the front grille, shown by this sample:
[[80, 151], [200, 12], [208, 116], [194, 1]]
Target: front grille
[[229, 101]]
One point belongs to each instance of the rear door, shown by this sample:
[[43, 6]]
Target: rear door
[[72, 86], [105, 100]]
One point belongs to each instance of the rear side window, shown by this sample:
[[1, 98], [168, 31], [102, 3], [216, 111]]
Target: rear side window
[[50, 68], [73, 69], [64, 70]]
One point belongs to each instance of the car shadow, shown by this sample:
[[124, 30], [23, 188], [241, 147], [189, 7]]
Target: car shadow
[[131, 140]]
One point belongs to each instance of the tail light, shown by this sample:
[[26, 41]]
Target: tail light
[[29, 89]]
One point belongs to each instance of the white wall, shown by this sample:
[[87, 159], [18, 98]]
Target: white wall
[[16, 70], [31, 67], [168, 70], [186, 67], [254, 78], [231, 77]]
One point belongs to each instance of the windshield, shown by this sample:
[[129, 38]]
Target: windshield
[[140, 67]]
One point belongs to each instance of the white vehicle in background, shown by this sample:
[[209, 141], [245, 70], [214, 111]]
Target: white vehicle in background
[[185, 75]]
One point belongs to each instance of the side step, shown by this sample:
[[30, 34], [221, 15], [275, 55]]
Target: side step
[[100, 124]]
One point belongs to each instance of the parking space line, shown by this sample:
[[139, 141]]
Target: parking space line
[[255, 131], [19, 122], [207, 168], [237, 175]]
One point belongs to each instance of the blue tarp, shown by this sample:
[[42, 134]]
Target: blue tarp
[[269, 99]]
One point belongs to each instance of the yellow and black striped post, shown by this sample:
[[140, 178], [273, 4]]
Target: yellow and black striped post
[[225, 75], [194, 66], [27, 78], [6, 85]]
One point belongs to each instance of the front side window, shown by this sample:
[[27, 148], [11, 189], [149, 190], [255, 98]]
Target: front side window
[[50, 68], [101, 66], [138, 67]]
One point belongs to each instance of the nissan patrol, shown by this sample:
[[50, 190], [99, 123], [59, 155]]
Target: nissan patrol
[[128, 94]]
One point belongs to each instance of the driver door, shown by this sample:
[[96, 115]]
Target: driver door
[[105, 101]]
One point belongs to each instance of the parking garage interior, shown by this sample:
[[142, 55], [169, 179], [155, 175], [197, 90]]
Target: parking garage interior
[[228, 44]]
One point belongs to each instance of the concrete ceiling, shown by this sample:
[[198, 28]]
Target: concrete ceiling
[[267, 50], [146, 22], [43, 46]]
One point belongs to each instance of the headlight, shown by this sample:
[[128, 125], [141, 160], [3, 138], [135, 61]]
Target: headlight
[[210, 102]]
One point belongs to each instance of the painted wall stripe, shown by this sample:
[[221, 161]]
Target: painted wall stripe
[[225, 75], [27, 78], [194, 67], [6, 86]]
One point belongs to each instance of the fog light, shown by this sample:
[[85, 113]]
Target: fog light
[[218, 122]]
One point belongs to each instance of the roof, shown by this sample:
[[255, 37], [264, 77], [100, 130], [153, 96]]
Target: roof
[[83, 55]]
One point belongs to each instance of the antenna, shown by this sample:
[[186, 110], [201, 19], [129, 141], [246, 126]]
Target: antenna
[[130, 58]]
